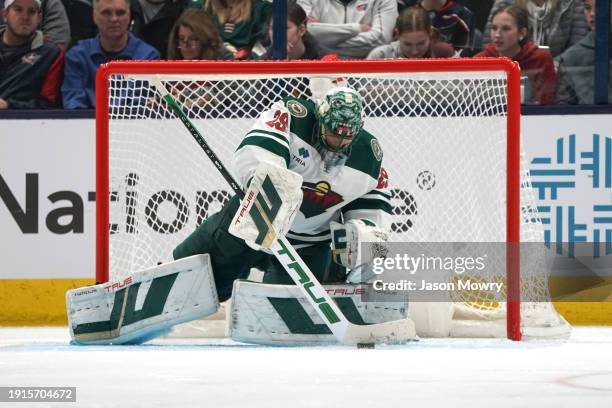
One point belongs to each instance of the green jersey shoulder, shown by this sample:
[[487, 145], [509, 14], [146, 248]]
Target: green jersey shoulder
[[366, 154], [304, 123]]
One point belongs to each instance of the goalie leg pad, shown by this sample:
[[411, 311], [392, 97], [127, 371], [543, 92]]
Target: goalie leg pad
[[144, 305], [280, 314]]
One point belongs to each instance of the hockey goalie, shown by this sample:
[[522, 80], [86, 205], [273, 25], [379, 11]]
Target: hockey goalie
[[324, 188]]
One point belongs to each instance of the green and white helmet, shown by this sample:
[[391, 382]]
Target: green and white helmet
[[341, 113]]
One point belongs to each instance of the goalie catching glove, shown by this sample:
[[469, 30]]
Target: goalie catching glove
[[269, 206], [355, 244]]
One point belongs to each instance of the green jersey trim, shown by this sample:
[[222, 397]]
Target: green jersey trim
[[264, 133], [310, 237], [377, 194], [368, 203], [274, 146], [296, 238], [302, 243]]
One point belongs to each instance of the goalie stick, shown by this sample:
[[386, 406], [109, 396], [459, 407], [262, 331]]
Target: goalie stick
[[346, 332]]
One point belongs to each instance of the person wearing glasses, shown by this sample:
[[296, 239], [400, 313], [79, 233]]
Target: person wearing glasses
[[113, 42], [195, 37]]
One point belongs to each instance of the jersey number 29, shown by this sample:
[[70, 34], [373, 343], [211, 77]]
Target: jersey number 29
[[279, 122]]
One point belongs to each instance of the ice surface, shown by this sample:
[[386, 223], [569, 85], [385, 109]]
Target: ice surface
[[221, 373]]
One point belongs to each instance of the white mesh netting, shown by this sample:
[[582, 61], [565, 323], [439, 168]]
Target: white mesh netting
[[443, 136]]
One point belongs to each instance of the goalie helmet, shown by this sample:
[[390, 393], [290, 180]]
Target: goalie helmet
[[340, 112]]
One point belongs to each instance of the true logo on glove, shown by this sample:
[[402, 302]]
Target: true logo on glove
[[245, 207]]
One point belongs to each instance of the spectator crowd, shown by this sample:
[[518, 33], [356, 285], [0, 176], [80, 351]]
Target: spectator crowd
[[50, 50]]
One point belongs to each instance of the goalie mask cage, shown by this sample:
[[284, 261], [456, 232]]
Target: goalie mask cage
[[449, 130]]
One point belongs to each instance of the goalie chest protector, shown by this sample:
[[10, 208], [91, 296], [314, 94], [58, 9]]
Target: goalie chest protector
[[326, 190]]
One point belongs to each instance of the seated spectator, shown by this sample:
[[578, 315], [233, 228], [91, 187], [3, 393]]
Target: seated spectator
[[30, 66], [576, 80], [54, 25], [195, 37], [350, 28], [80, 19], [114, 42], [416, 39], [153, 20], [242, 24], [510, 38], [300, 43], [453, 21], [557, 24]]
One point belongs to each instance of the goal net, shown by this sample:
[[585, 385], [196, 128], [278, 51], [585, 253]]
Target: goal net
[[449, 130]]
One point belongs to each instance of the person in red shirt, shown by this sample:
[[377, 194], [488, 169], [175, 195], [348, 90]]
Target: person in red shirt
[[510, 38]]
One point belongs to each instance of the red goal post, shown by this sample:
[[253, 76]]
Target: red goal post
[[105, 111]]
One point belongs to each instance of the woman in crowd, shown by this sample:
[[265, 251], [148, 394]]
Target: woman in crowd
[[300, 44], [557, 24], [416, 38], [510, 38], [241, 23], [195, 37]]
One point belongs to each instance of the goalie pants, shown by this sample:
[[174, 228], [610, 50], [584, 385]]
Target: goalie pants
[[232, 258]]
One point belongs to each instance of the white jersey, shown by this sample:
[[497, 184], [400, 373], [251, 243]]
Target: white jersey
[[337, 25], [286, 135]]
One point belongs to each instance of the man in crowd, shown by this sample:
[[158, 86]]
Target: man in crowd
[[114, 42], [54, 24], [30, 66]]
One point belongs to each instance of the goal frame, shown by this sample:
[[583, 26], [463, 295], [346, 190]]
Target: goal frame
[[513, 187]]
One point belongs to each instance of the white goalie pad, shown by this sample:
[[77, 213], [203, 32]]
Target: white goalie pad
[[144, 305], [269, 206], [280, 315], [348, 249], [447, 319], [432, 319]]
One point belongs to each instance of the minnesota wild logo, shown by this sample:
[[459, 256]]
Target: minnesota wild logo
[[296, 109], [318, 197], [376, 149]]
